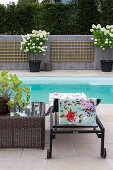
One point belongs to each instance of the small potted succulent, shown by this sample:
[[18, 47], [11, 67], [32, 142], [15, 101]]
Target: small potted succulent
[[103, 38], [11, 92], [33, 45]]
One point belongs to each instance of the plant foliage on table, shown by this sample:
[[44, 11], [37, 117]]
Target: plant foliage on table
[[11, 91]]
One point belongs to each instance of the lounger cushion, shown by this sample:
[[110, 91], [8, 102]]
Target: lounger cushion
[[77, 111]]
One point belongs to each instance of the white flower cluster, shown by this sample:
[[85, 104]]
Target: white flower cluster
[[34, 43], [102, 36], [40, 1]]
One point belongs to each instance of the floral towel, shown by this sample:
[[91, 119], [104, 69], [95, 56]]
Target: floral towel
[[77, 111], [53, 96]]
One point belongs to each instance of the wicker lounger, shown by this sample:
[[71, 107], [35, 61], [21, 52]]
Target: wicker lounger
[[23, 132]]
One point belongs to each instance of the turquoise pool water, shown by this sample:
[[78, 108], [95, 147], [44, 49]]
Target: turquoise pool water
[[98, 87]]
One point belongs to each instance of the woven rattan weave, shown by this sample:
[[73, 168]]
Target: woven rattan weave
[[23, 132]]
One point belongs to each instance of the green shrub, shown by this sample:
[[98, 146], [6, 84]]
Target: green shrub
[[52, 17], [56, 18], [11, 23], [106, 10], [2, 19], [22, 19], [87, 14], [27, 18]]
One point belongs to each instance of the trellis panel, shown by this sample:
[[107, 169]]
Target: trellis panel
[[10, 52], [72, 51]]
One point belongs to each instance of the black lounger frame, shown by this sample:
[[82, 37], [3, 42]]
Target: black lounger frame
[[54, 129]]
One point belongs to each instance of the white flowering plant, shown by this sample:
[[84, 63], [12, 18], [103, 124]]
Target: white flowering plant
[[34, 43], [102, 36]]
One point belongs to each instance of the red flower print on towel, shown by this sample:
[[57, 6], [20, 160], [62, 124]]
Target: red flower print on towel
[[70, 116]]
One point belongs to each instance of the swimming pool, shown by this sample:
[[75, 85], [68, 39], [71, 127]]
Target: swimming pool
[[98, 87]]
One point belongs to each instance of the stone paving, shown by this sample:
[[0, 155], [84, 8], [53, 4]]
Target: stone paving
[[70, 152], [78, 151], [62, 73]]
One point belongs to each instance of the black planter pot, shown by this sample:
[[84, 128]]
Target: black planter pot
[[34, 66], [106, 66]]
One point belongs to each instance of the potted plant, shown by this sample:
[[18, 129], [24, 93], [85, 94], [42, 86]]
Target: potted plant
[[33, 44], [11, 92], [103, 38]]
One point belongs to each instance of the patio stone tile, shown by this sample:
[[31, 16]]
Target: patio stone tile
[[93, 150], [34, 153], [64, 138], [46, 137], [77, 164], [106, 118], [24, 164], [62, 73], [108, 137], [109, 163], [63, 150], [86, 138], [87, 150], [47, 122], [105, 112], [76, 138], [7, 164], [31, 164], [109, 150], [10, 153], [108, 126]]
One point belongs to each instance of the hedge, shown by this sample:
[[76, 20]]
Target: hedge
[[87, 14], [57, 18], [21, 19], [106, 11], [2, 19]]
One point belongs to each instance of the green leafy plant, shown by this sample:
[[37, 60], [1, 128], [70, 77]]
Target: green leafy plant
[[102, 37], [10, 90]]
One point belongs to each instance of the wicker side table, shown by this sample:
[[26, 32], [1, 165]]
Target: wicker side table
[[23, 132]]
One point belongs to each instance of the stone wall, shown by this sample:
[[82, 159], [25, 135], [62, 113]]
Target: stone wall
[[98, 55]]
